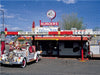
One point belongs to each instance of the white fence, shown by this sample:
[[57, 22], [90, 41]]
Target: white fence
[[95, 49]]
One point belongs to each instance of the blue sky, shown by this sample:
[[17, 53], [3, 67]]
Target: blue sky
[[19, 14]]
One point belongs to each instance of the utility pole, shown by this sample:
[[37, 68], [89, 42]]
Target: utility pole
[[2, 20], [2, 35]]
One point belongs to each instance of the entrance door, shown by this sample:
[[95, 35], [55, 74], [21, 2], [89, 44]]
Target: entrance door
[[49, 48]]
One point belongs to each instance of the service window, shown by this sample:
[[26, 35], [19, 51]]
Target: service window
[[68, 44]]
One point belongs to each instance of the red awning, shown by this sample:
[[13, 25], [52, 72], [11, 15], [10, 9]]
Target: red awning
[[60, 38]]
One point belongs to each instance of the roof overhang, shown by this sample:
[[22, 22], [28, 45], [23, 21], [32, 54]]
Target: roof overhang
[[61, 38]]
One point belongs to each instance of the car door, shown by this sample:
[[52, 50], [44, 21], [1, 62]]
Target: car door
[[31, 54]]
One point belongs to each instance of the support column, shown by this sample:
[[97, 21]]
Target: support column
[[2, 42], [82, 51]]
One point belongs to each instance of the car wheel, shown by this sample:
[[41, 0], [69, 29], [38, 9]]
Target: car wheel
[[1, 64], [23, 63]]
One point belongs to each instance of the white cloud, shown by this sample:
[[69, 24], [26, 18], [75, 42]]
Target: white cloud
[[1, 6], [7, 25], [10, 27], [3, 9], [0, 25], [58, 0], [14, 28], [5, 13], [68, 1], [9, 16], [22, 19]]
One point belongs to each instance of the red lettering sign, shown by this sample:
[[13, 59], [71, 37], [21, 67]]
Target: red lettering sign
[[49, 23]]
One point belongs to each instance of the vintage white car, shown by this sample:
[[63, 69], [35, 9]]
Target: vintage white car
[[20, 56]]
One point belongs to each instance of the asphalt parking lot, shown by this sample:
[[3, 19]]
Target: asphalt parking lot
[[58, 66]]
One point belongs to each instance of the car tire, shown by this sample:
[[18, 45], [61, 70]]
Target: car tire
[[23, 63], [1, 64]]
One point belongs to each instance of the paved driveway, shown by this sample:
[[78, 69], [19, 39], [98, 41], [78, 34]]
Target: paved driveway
[[55, 67]]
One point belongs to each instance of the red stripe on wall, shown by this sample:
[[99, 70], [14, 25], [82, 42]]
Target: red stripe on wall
[[52, 33], [66, 33], [12, 33], [60, 38]]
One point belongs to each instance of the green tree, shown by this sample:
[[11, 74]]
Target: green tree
[[69, 21], [97, 28]]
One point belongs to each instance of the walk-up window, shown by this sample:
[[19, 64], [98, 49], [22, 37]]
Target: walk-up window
[[49, 48], [68, 44], [69, 48]]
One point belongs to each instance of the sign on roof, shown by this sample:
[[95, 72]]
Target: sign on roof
[[49, 23], [83, 32], [46, 29], [51, 14]]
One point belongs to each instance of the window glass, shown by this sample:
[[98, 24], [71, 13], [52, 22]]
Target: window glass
[[68, 44]]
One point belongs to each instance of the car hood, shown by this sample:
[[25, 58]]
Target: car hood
[[18, 51]]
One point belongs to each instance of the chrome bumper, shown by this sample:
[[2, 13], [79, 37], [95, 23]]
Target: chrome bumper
[[10, 63]]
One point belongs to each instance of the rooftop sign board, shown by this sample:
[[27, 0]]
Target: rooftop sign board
[[51, 14], [46, 29], [83, 32], [49, 23]]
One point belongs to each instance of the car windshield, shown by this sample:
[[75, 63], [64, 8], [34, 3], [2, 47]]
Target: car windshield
[[10, 38], [16, 42]]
